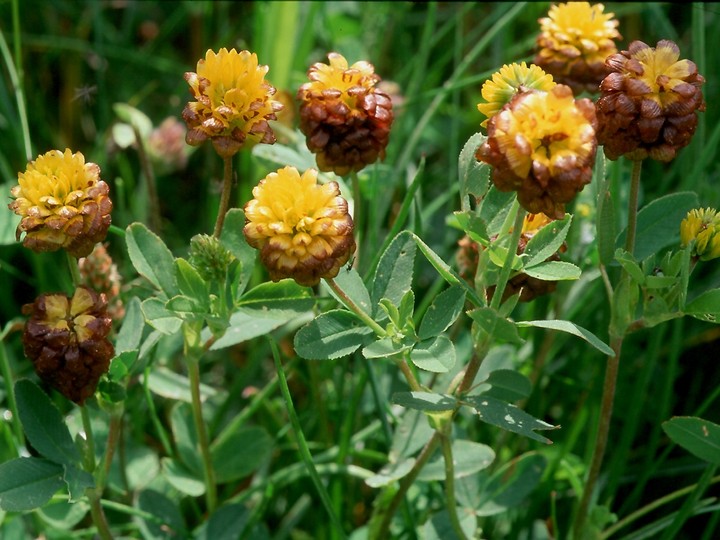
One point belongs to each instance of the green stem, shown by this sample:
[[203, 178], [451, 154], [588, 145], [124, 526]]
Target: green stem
[[357, 216], [154, 214], [687, 508], [74, 270], [405, 483], [507, 265], [113, 436], [10, 391], [611, 371], [153, 414], [345, 299], [450, 503], [408, 373], [630, 518], [193, 362], [302, 443], [95, 493], [225, 197], [632, 207]]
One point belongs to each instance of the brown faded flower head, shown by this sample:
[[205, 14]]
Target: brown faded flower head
[[574, 42], [63, 204], [542, 145], [234, 102], [649, 102], [345, 117], [302, 228], [66, 340]]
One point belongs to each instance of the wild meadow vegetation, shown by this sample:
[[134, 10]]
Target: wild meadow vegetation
[[326, 270]]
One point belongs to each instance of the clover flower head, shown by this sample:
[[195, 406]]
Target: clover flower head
[[166, 146], [66, 338], [234, 102], [703, 226], [63, 204], [510, 80], [575, 40], [302, 228], [100, 273], [649, 102], [542, 145], [210, 258], [344, 115]]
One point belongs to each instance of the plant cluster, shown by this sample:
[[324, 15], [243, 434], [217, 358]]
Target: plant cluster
[[432, 431]]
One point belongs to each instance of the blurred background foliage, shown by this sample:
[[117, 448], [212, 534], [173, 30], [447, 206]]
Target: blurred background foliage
[[79, 58]]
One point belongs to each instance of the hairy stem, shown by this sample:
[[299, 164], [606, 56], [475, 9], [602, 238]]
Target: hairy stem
[[345, 299], [225, 196], [94, 494], [450, 503], [208, 470]]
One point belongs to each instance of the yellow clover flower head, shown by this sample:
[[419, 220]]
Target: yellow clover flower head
[[234, 102], [510, 80], [63, 204], [542, 145], [649, 102], [703, 226], [302, 228], [574, 42], [344, 115], [67, 341]]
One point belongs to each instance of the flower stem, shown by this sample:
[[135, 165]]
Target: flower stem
[[611, 372], [409, 375], [95, 493], [193, 362], [74, 270], [302, 443], [507, 265], [113, 436], [450, 504], [225, 196], [16, 75], [369, 322], [357, 215]]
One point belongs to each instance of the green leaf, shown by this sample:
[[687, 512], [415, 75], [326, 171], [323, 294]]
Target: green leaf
[[233, 239], [494, 209], [282, 297], [134, 117], [474, 175], [63, 515], [506, 416], [77, 481], [425, 401], [447, 273], [246, 324], [159, 317], [570, 328], [384, 348], [469, 458], [8, 221], [439, 526], [394, 273], [660, 282], [406, 309], [658, 223], [509, 485], [699, 437], [130, 333], [491, 323], [705, 307], [554, 271], [191, 284], [333, 334], [352, 285], [28, 483], [547, 241], [171, 385], [390, 473], [411, 434], [168, 521], [187, 308], [227, 522], [508, 385], [628, 262], [181, 478], [240, 453], [43, 424], [185, 436], [434, 354], [444, 310], [473, 226], [151, 257]]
